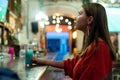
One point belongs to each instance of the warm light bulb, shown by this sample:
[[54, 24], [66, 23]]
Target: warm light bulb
[[57, 25], [69, 23], [66, 20], [53, 21], [74, 35], [54, 17], [61, 17], [69, 27], [58, 21]]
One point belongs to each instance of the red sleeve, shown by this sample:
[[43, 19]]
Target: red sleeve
[[97, 66], [69, 65], [89, 74]]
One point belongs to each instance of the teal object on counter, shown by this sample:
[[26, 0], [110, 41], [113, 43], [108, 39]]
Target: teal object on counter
[[29, 55]]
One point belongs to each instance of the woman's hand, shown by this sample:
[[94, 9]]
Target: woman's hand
[[38, 61], [34, 60]]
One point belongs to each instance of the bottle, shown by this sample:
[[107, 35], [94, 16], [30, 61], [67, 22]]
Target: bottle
[[28, 59], [22, 53]]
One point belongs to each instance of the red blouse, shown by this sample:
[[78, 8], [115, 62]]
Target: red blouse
[[93, 66]]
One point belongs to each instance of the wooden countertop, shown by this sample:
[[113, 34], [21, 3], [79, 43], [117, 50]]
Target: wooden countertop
[[36, 72]]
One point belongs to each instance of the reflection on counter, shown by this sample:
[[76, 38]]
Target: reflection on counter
[[18, 65]]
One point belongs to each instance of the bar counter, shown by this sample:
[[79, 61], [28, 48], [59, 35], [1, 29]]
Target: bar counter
[[25, 73]]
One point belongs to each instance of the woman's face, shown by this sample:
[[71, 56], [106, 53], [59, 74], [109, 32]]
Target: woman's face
[[82, 21]]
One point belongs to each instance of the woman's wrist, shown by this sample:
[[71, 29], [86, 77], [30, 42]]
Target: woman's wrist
[[34, 60]]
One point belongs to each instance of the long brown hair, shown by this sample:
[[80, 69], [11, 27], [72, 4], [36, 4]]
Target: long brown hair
[[99, 26]]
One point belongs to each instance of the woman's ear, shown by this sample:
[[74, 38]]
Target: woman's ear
[[90, 19]]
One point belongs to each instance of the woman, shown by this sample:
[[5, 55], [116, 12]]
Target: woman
[[95, 59]]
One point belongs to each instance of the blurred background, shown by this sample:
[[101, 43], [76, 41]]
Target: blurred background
[[47, 26]]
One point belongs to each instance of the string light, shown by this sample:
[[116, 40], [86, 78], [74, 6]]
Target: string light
[[69, 23], [58, 20], [69, 27], [66, 20], [53, 21]]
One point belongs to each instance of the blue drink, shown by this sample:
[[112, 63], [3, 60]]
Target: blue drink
[[29, 55]]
